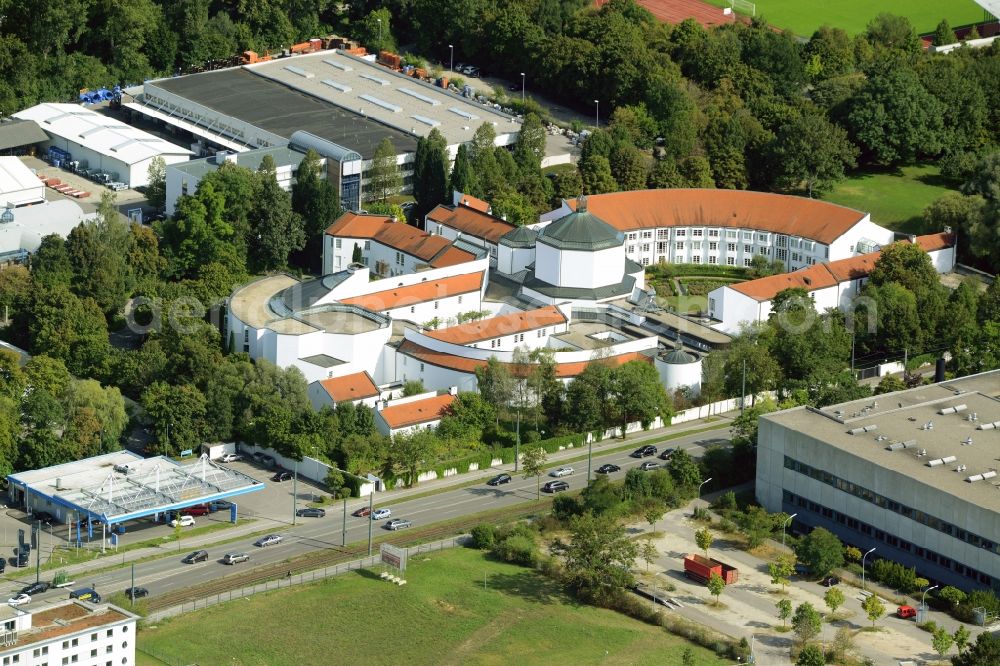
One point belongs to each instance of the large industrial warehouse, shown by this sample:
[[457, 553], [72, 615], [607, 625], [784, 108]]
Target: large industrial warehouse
[[912, 474]]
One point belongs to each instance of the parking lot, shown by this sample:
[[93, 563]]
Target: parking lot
[[127, 199]]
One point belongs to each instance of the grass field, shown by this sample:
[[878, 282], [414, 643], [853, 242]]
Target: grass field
[[803, 16], [896, 199], [442, 616]]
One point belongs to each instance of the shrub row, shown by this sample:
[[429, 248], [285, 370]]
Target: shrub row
[[485, 458], [676, 270]]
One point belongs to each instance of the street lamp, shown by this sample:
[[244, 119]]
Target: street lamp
[[522, 89], [923, 597], [451, 53], [863, 568], [597, 113], [703, 483], [379, 32], [787, 520]]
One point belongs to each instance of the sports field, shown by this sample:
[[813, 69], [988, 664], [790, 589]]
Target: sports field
[[803, 16], [442, 616]]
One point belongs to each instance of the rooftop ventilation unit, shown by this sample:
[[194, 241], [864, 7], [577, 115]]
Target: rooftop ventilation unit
[[339, 86], [988, 426], [388, 106], [909, 444], [381, 82], [462, 112], [856, 431], [422, 97], [928, 426], [972, 417], [339, 65], [960, 468], [952, 410], [881, 438], [935, 463], [299, 71], [921, 453], [947, 460], [974, 478], [896, 446], [967, 441], [990, 474], [426, 121], [870, 428]]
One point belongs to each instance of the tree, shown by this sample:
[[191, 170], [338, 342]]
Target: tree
[[495, 384], [276, 231], [595, 173], [68, 328], [716, 585], [374, 30], [873, 607], [784, 610], [533, 465], [893, 32], [811, 655], [984, 652], [821, 551], [529, 149], [598, 560], [638, 394], [156, 189], [942, 641], [384, 178], [462, 178], [684, 470], [317, 202], [806, 622], [833, 599], [961, 637], [178, 413], [588, 398], [687, 657], [653, 513], [843, 642], [628, 167], [649, 553], [703, 538], [748, 353], [781, 570], [811, 151], [889, 384], [408, 452], [412, 387], [430, 173]]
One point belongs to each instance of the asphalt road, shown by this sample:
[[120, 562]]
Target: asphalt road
[[169, 573]]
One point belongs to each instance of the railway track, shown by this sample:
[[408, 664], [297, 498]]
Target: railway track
[[331, 556]]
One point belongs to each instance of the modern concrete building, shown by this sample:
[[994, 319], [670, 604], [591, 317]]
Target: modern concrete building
[[70, 632], [103, 142], [912, 474]]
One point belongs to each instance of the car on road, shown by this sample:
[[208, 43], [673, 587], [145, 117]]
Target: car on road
[[134, 593], [235, 558], [183, 521], [19, 600], [555, 486], [86, 594], [282, 475], [499, 480], [381, 514], [269, 540], [608, 468], [230, 457], [362, 512], [196, 556], [311, 513], [644, 451], [830, 581], [35, 588], [398, 524], [649, 465], [666, 454], [561, 471]]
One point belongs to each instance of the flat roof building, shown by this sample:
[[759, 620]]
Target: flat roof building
[[71, 632], [912, 474], [19, 186]]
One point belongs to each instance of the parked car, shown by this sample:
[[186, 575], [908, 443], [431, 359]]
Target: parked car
[[199, 510], [381, 514], [398, 524], [44, 516], [196, 556], [230, 457], [362, 512], [830, 581], [311, 513], [906, 612], [220, 505], [649, 465], [235, 558], [21, 559], [561, 471], [257, 457], [19, 600], [183, 521], [499, 480], [269, 540], [644, 451], [666, 454], [267, 461], [3, 565], [555, 486], [282, 475], [86, 594], [134, 593], [608, 468], [36, 588], [472, 71]]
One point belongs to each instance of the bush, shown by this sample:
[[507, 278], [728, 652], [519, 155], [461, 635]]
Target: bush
[[518, 549], [483, 536], [565, 507], [727, 502], [701, 513]]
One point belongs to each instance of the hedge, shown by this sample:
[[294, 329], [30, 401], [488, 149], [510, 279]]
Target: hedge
[[708, 270], [506, 454]]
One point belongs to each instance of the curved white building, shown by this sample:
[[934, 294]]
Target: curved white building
[[679, 369]]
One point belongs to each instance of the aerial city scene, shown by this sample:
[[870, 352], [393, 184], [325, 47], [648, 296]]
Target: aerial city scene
[[656, 332]]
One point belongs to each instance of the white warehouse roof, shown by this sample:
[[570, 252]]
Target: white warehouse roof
[[18, 184], [99, 133]]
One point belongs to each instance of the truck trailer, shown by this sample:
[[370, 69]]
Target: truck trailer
[[701, 568]]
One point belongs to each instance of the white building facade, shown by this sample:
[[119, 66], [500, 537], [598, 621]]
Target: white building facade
[[68, 633]]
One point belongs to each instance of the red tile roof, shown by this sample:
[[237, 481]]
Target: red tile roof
[[350, 387], [473, 202], [389, 299], [418, 411], [472, 222], [938, 241], [675, 11], [435, 250], [502, 325], [776, 213], [469, 365]]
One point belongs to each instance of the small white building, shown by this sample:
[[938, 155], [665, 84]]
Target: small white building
[[680, 370], [417, 412], [68, 632], [106, 144], [358, 389], [19, 186]]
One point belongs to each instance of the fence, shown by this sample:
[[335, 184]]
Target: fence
[[299, 579]]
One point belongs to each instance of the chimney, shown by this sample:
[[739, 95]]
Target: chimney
[[939, 371], [58, 483]]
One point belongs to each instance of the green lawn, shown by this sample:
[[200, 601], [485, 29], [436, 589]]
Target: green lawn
[[895, 199], [442, 616], [804, 16]]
